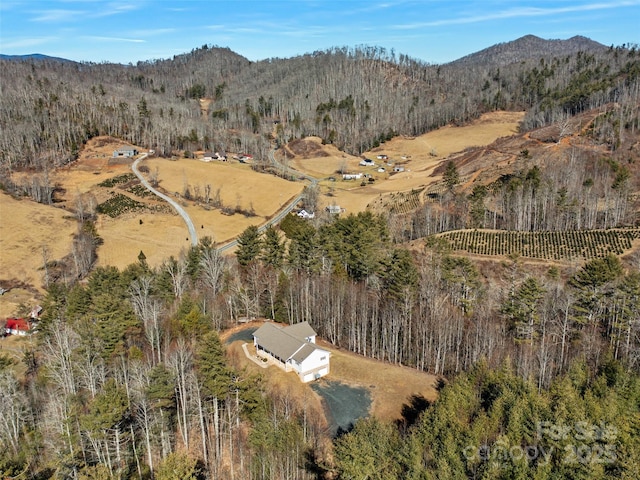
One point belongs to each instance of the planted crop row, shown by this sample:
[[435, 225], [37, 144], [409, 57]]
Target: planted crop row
[[544, 245], [139, 191], [404, 202], [119, 180], [119, 204]]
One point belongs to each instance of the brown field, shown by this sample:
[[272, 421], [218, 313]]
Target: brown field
[[390, 386], [25, 230], [164, 234], [422, 155], [27, 226]]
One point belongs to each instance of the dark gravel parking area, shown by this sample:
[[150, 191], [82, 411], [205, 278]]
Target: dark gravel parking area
[[245, 335], [344, 404]]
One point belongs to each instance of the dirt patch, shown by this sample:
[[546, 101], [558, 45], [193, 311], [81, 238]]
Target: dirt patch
[[391, 386], [205, 103], [306, 148], [17, 302], [15, 348]]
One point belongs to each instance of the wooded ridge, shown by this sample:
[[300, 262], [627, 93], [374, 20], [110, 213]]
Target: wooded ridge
[[538, 360]]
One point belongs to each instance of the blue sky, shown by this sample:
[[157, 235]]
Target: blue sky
[[435, 31]]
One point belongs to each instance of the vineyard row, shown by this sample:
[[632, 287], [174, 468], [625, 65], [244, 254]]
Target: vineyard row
[[585, 244]]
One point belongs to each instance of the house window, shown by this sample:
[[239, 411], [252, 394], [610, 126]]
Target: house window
[[322, 359]]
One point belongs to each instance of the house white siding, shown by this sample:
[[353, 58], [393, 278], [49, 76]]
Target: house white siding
[[316, 365], [293, 349]]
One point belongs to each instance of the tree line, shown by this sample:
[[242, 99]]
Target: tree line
[[128, 377], [354, 98]]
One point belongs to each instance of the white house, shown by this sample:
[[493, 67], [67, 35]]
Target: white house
[[305, 214], [293, 349], [125, 152], [367, 162], [351, 176]]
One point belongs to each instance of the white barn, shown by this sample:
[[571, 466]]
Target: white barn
[[293, 349], [352, 176]]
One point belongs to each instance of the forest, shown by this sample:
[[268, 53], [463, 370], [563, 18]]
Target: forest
[[538, 361]]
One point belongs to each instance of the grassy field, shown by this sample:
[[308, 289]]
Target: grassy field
[[418, 155], [28, 232], [26, 226]]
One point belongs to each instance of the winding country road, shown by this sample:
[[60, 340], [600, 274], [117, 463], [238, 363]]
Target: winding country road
[[192, 230], [178, 208], [284, 210]]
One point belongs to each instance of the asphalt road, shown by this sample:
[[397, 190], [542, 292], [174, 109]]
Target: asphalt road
[[283, 211], [192, 230], [178, 208]]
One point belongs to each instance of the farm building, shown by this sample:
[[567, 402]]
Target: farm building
[[125, 152], [210, 156], [35, 312], [383, 157], [367, 162], [293, 349], [243, 157], [305, 214], [16, 326], [351, 176], [334, 209], [398, 169]]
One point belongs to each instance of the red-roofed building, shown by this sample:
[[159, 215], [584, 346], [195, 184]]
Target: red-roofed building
[[17, 326]]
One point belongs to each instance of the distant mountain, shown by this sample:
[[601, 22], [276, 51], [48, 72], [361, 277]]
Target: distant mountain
[[34, 56], [529, 47]]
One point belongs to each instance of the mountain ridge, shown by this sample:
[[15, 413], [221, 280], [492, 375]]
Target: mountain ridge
[[35, 56], [528, 47], [523, 48]]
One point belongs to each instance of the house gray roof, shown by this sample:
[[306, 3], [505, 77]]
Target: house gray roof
[[300, 330], [286, 342], [304, 352]]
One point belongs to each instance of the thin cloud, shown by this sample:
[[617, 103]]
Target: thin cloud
[[115, 39], [219, 27], [155, 32], [116, 9], [27, 42], [518, 13], [8, 5], [57, 16]]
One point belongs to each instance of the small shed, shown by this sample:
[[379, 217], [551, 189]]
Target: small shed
[[334, 209]]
